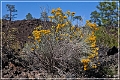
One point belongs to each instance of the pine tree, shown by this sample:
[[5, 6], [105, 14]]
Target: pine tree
[[29, 16], [11, 9], [95, 17], [107, 14]]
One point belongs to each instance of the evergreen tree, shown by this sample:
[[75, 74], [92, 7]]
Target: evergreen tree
[[95, 17], [107, 14], [29, 16], [11, 9]]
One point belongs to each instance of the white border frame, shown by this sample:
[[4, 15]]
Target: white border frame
[[62, 78], [118, 41]]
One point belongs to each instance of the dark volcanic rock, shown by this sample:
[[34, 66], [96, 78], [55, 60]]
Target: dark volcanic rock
[[25, 27], [112, 51]]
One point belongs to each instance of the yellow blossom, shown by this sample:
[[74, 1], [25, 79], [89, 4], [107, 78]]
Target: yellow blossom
[[37, 47], [61, 38], [96, 28], [29, 36], [92, 38], [58, 27], [85, 63], [47, 32], [62, 34], [66, 23], [85, 60], [94, 66], [96, 53], [81, 35], [85, 68], [60, 16], [87, 21], [73, 13], [93, 25], [74, 33], [93, 45], [59, 9], [53, 11], [68, 13], [39, 40], [57, 13], [67, 34], [93, 32], [63, 25], [91, 56], [57, 30], [98, 62], [34, 42], [90, 25], [97, 48], [72, 28], [65, 17], [32, 49], [56, 38], [77, 29]]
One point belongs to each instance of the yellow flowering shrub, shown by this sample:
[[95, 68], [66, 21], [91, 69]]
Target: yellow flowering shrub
[[85, 63], [91, 42], [65, 31], [38, 34]]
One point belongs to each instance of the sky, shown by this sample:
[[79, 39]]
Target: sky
[[83, 9]]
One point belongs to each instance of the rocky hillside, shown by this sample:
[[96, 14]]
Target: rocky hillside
[[24, 27], [16, 64]]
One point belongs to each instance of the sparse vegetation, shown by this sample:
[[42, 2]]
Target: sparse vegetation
[[54, 48]]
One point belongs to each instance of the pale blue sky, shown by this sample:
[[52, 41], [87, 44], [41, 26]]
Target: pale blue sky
[[81, 8]]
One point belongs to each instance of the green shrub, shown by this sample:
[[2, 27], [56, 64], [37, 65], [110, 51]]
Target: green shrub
[[105, 38]]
